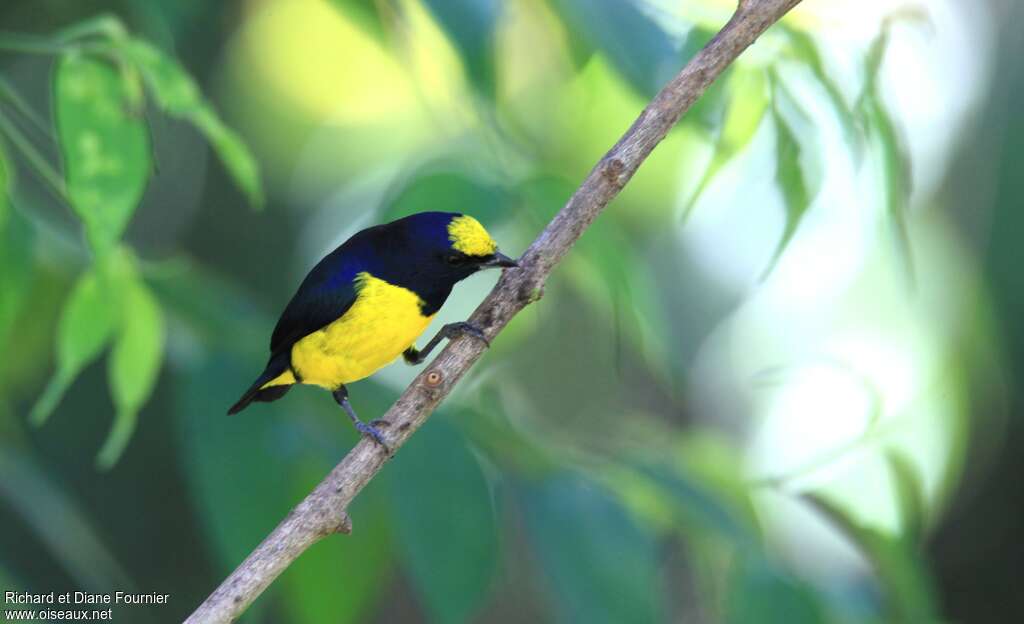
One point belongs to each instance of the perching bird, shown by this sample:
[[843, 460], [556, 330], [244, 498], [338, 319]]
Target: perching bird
[[368, 301]]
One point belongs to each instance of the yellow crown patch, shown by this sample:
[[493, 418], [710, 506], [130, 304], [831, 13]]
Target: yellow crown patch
[[469, 237]]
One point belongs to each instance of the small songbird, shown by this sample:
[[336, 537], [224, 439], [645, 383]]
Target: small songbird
[[368, 301]]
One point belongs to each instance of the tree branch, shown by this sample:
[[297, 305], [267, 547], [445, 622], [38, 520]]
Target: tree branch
[[323, 511]]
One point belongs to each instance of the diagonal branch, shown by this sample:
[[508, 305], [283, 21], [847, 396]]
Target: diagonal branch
[[322, 512]]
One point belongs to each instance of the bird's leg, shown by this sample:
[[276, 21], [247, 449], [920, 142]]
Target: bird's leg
[[413, 355], [341, 396]]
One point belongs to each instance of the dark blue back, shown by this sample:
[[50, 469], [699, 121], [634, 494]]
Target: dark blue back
[[408, 252]]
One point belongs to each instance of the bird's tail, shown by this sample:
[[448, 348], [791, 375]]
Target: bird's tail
[[276, 367]]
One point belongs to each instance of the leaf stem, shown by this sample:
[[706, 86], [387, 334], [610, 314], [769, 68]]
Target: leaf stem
[[34, 157], [8, 92], [27, 44], [104, 26]]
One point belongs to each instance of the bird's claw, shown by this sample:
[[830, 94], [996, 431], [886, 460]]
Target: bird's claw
[[371, 431], [465, 328]]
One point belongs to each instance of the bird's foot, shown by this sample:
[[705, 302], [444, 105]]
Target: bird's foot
[[373, 433], [341, 396], [465, 328]]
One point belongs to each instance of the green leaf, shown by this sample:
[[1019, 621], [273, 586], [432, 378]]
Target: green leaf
[[805, 48], [874, 57], [177, 94], [637, 46], [104, 25], [878, 46], [86, 325], [896, 171], [708, 112], [796, 173], [444, 522], [909, 494], [624, 292], [470, 25], [106, 149], [505, 444], [748, 92], [902, 575], [16, 243], [173, 89], [133, 366], [759, 592], [889, 140], [747, 103], [340, 579], [234, 153], [599, 565]]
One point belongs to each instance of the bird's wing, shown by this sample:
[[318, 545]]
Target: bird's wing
[[324, 296]]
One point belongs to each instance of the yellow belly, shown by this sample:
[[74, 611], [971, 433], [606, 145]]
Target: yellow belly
[[383, 322]]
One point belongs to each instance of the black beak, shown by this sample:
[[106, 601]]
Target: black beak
[[498, 260]]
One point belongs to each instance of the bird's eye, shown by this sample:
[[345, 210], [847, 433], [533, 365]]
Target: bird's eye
[[453, 259]]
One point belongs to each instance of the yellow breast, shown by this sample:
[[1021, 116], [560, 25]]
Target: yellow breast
[[383, 322]]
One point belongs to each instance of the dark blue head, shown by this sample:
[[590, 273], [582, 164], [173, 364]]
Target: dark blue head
[[447, 243], [429, 252]]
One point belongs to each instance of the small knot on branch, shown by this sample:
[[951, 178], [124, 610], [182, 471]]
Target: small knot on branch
[[531, 293], [613, 170], [330, 522], [434, 379], [344, 525]]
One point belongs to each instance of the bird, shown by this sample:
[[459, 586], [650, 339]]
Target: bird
[[369, 301]]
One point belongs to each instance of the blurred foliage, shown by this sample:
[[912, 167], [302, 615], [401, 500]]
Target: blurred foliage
[[599, 564], [107, 161], [581, 473]]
